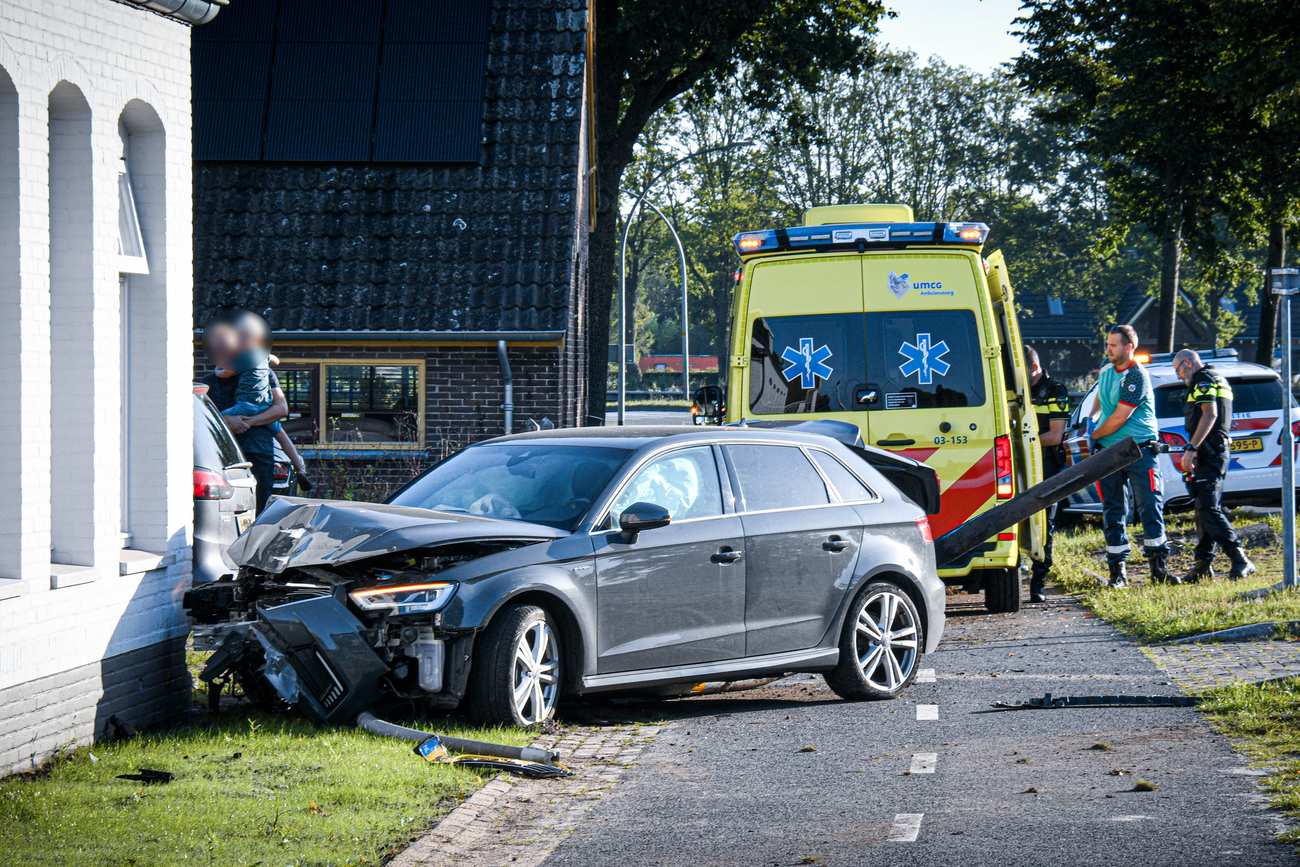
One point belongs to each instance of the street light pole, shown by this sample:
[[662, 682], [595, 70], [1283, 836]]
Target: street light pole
[[622, 267], [1285, 282], [686, 329]]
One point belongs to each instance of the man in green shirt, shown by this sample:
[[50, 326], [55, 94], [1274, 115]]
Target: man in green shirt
[[1126, 405]]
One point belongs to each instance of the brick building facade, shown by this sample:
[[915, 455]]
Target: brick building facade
[[96, 441], [391, 256]]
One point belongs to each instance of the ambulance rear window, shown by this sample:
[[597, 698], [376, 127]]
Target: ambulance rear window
[[922, 359], [832, 362], [805, 364]]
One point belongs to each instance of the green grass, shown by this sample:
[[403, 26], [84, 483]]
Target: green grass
[[1160, 612], [249, 789], [1264, 720]]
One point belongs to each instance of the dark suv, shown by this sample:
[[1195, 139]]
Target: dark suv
[[225, 492]]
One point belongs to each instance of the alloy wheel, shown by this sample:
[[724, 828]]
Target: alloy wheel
[[535, 673], [886, 641]]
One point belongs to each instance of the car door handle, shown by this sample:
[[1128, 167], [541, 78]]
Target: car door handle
[[835, 544], [897, 442], [726, 555]]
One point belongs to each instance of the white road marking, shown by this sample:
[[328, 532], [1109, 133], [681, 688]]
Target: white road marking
[[925, 675], [923, 763], [1134, 818], [906, 828], [927, 711]]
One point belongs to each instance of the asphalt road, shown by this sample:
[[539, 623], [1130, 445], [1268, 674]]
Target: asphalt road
[[730, 781]]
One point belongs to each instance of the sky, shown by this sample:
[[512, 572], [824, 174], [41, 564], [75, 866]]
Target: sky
[[971, 33]]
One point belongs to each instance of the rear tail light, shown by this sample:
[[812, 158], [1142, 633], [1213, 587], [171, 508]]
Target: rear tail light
[[1002, 465], [1175, 441], [281, 473], [1007, 536], [211, 485], [923, 524], [1295, 433]]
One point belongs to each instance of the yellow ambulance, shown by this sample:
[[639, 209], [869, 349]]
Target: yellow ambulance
[[908, 331]]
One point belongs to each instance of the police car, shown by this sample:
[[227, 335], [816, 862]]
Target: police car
[[1255, 472]]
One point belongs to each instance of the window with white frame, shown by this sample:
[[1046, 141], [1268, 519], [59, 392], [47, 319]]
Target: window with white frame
[[131, 258], [354, 404]]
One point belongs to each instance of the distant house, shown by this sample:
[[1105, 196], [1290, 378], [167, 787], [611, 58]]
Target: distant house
[[665, 371], [1070, 334], [399, 188], [96, 451]]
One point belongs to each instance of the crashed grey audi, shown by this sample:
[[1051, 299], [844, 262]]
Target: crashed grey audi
[[567, 563]]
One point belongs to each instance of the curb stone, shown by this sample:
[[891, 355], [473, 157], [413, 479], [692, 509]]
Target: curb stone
[[517, 820]]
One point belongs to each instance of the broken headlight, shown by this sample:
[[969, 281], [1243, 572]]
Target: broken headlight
[[421, 598]]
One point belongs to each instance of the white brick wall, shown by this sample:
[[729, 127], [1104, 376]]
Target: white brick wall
[[117, 56]]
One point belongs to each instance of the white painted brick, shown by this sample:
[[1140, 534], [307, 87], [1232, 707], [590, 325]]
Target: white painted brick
[[62, 481]]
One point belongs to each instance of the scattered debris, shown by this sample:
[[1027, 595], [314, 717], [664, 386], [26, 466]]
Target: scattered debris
[[148, 776], [1140, 785], [1030, 791], [1101, 746], [438, 749], [1049, 702], [808, 748]]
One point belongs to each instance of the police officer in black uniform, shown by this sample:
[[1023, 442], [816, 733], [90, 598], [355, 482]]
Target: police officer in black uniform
[[1208, 416], [1051, 402]]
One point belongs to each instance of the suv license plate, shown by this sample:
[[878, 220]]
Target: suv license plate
[[243, 521], [1248, 444]]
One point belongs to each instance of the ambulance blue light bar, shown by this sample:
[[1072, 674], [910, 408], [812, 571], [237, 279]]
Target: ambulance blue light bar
[[810, 238]]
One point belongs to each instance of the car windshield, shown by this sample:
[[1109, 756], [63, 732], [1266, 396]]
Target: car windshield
[[542, 483]]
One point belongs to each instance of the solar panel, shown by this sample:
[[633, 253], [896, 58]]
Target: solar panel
[[341, 80]]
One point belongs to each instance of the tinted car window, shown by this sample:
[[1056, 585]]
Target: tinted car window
[[776, 477], [1248, 395], [684, 482], [849, 487], [526, 481], [214, 445], [803, 364], [921, 359]]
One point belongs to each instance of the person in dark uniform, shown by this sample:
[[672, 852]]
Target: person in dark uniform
[[1208, 417], [1051, 402]]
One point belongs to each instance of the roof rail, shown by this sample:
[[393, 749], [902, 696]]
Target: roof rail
[[1205, 355]]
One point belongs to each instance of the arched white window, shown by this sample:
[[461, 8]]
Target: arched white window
[[72, 356]]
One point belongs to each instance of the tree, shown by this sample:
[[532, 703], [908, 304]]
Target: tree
[[1259, 68], [649, 52], [1133, 76]]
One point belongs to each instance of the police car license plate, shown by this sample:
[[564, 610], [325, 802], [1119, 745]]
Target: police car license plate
[[1248, 444], [243, 521]]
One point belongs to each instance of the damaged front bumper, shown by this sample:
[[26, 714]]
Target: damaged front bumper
[[317, 656]]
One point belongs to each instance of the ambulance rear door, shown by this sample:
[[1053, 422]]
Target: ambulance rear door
[[1026, 447]]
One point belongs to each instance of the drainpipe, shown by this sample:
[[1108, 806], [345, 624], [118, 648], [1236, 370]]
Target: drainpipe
[[189, 11], [508, 380]]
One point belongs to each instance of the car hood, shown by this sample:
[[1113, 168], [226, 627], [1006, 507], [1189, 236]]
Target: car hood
[[293, 532]]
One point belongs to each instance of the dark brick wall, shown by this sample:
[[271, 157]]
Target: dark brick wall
[[463, 395]]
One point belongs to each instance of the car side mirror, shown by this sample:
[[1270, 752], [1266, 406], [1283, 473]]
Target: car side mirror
[[639, 517]]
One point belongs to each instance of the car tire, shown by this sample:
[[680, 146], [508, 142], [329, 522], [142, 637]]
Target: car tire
[[1002, 590], [863, 672], [503, 687]]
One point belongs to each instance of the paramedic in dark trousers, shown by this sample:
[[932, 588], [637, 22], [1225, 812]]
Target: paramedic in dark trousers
[[1051, 402], [1127, 406], [1208, 416]]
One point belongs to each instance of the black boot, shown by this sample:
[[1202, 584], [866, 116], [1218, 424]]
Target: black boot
[[1118, 574], [1202, 571], [1241, 565], [1160, 570], [1036, 593]]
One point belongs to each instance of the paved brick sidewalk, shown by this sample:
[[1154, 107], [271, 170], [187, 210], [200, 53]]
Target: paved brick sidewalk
[[519, 821], [1198, 667]]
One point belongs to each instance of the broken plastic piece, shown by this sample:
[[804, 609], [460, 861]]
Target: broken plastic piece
[[1048, 702], [148, 776]]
